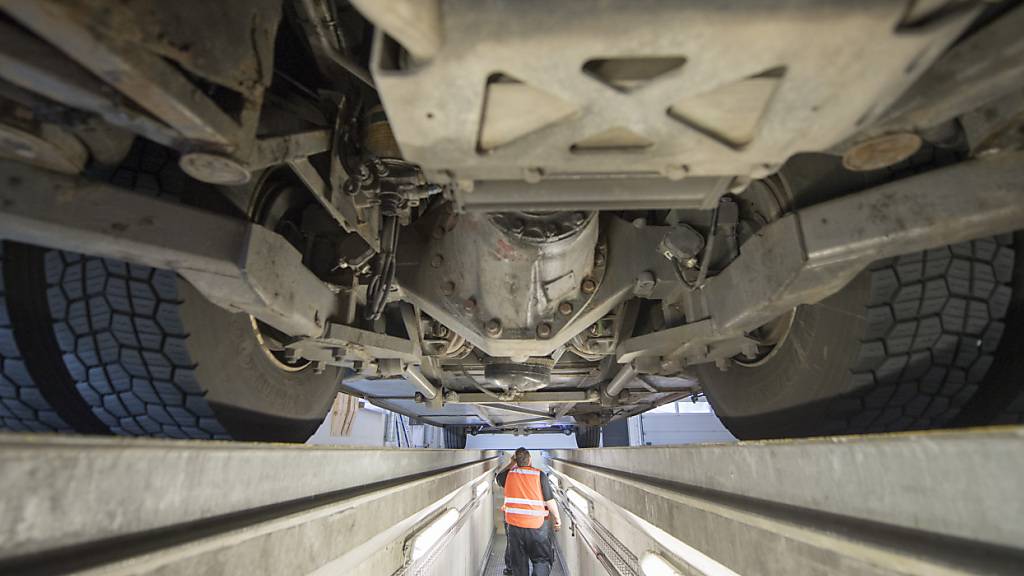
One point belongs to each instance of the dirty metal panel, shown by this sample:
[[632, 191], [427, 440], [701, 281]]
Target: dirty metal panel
[[179, 87], [654, 87], [227, 42]]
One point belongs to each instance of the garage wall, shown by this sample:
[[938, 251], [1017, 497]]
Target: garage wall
[[511, 441], [662, 429], [367, 430]]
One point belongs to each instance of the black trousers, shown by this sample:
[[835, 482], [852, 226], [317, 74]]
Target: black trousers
[[530, 546], [508, 549]]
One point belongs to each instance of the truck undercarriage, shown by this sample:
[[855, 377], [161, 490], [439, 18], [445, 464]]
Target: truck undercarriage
[[506, 215]]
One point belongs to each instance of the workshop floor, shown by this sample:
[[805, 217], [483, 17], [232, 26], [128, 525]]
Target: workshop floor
[[496, 560]]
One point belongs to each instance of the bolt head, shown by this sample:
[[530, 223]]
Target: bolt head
[[645, 280], [469, 304], [544, 330], [588, 286], [493, 327], [690, 263], [518, 226], [436, 260], [448, 288], [578, 218], [599, 259], [565, 308]]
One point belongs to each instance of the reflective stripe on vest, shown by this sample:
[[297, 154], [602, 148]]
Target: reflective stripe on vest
[[524, 500], [526, 512]]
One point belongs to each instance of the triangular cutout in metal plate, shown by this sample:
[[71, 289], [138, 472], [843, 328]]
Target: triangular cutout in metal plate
[[731, 113]]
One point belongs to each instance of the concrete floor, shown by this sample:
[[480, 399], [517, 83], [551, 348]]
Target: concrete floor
[[496, 560]]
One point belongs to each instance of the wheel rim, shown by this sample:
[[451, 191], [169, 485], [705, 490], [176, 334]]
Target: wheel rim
[[772, 336], [277, 203]]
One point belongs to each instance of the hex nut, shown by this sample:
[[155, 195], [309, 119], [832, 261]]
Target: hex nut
[[588, 286], [543, 330], [493, 327], [645, 281]]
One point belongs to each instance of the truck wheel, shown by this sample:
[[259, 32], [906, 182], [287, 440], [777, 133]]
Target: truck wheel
[[904, 346], [146, 354], [151, 357], [588, 437]]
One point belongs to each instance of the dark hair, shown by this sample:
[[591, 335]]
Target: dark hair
[[522, 457]]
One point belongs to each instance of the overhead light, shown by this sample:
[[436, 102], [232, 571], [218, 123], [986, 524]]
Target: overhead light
[[482, 487], [430, 535], [654, 565], [578, 500]]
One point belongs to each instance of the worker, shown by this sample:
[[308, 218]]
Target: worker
[[529, 501]]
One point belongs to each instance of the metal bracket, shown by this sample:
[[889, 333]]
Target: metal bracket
[[554, 397], [236, 264], [804, 257]]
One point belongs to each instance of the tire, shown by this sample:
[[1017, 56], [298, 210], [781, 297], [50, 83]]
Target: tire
[[36, 393], [1001, 397], [144, 354], [904, 346], [151, 357], [454, 437], [588, 437]]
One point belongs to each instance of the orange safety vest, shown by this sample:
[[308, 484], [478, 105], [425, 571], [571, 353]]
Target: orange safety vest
[[524, 501]]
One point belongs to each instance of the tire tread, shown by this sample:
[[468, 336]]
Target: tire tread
[[120, 330], [933, 322]]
